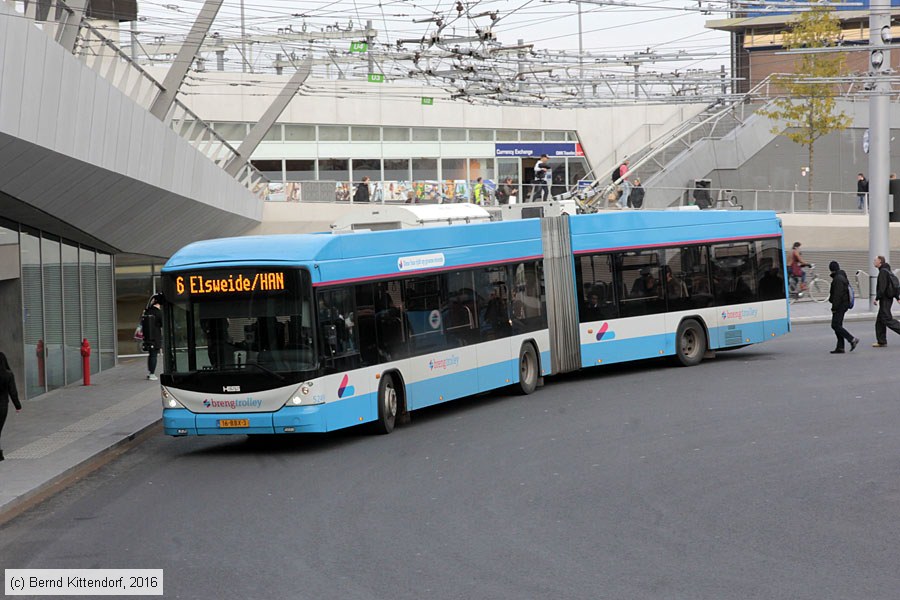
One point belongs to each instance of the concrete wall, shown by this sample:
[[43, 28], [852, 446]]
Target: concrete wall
[[607, 134], [77, 148]]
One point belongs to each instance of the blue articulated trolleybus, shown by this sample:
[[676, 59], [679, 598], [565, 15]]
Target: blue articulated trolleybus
[[312, 333]]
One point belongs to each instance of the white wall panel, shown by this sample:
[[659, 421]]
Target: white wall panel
[[111, 133], [96, 137], [125, 129], [66, 121], [13, 76], [48, 119], [32, 87]]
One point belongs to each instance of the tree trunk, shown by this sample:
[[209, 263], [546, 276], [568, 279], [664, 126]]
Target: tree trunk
[[809, 183]]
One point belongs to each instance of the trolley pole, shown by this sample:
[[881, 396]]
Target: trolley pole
[[879, 138]]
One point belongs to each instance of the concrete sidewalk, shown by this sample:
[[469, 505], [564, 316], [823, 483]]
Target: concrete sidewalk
[[64, 434], [807, 311]]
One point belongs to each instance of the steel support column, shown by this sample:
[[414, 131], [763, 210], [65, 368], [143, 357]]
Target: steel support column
[[879, 137], [185, 58], [284, 97]]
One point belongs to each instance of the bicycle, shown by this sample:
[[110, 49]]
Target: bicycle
[[817, 289]]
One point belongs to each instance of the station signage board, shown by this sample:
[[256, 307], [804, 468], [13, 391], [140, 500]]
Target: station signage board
[[535, 149]]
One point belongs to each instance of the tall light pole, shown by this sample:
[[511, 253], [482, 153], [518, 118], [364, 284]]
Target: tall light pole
[[879, 137]]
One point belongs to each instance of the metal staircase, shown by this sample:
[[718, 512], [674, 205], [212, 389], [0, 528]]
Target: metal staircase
[[714, 122]]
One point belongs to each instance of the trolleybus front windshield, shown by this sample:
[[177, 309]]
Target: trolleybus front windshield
[[253, 320]]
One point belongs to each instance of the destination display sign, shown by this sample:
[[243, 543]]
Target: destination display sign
[[227, 282]]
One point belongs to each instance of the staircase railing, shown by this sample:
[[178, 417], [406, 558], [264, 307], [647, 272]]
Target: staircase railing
[[105, 57], [590, 198]]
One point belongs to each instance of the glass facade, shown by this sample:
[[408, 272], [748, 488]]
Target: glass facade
[[66, 293]]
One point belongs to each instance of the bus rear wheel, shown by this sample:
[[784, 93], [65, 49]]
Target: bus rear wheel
[[690, 343], [528, 369], [388, 405]]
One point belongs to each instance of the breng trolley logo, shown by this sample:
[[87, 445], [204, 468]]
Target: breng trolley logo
[[745, 313], [442, 364], [232, 404]]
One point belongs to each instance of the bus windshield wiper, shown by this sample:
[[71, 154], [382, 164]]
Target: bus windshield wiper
[[257, 365]]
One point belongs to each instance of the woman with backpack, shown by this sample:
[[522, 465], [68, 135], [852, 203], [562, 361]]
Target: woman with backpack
[[840, 298], [7, 392]]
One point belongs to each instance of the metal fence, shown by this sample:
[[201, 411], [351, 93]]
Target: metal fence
[[436, 192]]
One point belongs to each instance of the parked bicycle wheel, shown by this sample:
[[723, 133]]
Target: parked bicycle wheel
[[819, 289]]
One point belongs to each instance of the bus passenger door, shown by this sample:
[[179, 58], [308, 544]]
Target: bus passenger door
[[496, 363]]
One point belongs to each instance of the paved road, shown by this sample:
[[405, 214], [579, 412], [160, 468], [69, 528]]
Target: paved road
[[770, 472]]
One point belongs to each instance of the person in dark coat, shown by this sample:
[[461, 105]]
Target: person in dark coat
[[152, 335], [636, 197], [840, 304], [7, 392], [884, 298], [362, 191]]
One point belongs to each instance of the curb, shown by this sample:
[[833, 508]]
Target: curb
[[827, 319], [56, 484]]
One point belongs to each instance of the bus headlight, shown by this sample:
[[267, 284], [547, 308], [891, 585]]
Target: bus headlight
[[168, 400], [304, 395]]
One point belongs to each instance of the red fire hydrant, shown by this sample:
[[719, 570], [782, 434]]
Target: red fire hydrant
[[86, 361]]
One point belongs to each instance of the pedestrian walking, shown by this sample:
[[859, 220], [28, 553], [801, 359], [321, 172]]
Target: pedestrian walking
[[478, 191], [862, 190], [362, 191], [840, 304], [626, 185], [885, 292], [636, 198], [542, 178], [151, 323], [7, 392]]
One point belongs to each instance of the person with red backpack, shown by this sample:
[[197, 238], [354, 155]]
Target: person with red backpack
[[886, 290]]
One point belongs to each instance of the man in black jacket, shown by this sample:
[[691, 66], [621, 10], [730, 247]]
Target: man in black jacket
[[151, 323], [840, 304], [884, 298]]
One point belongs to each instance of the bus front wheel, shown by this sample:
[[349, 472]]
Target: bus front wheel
[[388, 404], [690, 343], [528, 369]]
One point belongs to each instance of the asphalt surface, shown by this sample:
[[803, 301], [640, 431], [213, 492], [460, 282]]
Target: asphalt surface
[[768, 472]]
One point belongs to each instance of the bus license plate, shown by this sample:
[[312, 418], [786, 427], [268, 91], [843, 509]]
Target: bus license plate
[[224, 423]]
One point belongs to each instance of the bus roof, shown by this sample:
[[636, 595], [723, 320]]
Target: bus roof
[[355, 256]]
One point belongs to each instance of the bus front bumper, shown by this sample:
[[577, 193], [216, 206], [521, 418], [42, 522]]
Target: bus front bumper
[[290, 419]]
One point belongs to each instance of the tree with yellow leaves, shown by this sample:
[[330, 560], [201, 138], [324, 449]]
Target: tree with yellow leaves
[[807, 110]]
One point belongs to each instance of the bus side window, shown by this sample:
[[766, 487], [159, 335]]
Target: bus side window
[[337, 329], [390, 330]]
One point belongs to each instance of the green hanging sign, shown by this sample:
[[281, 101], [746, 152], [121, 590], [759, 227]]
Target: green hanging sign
[[359, 47], [427, 101], [376, 78]]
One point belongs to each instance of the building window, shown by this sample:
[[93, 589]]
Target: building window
[[273, 134], [453, 168], [365, 134], [481, 135], [233, 132], [507, 135], [272, 169], [554, 136], [33, 300], [396, 134], [421, 134], [529, 135], [453, 135], [300, 170], [366, 167], [333, 133], [425, 169], [334, 169], [300, 133]]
